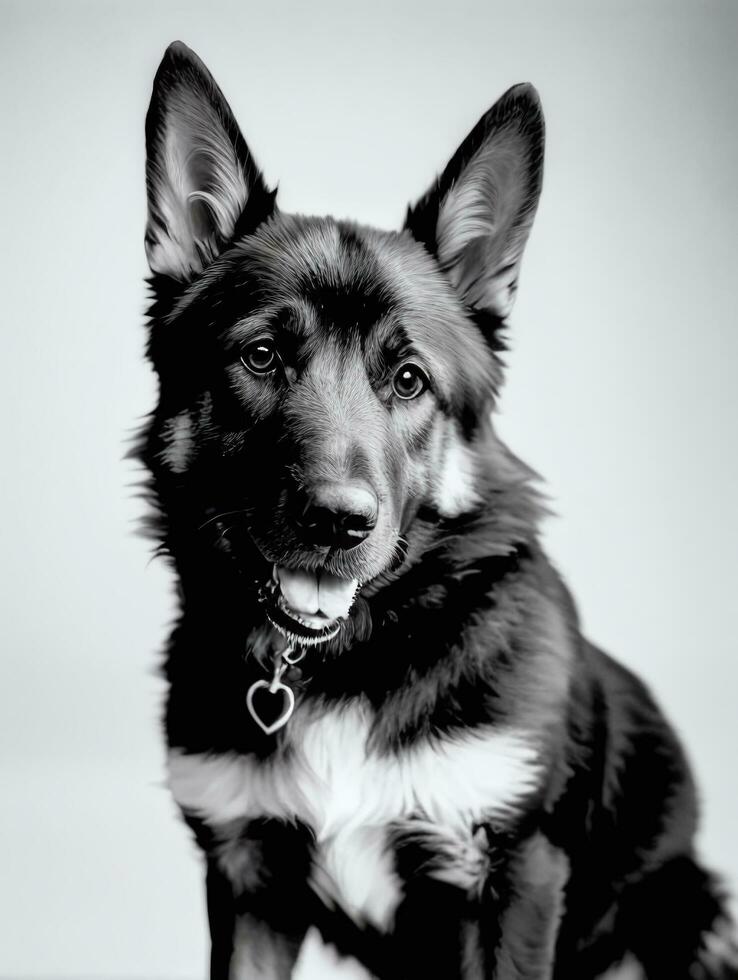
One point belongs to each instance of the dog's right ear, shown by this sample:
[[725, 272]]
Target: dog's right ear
[[204, 188]]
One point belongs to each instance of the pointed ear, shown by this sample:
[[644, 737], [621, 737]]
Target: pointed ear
[[477, 216], [203, 185]]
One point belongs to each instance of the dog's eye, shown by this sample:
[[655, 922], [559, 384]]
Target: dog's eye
[[409, 381], [261, 356]]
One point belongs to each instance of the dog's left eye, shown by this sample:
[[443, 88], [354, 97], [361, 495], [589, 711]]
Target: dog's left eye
[[409, 381], [261, 356]]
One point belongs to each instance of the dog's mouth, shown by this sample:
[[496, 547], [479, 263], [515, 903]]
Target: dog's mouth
[[307, 607]]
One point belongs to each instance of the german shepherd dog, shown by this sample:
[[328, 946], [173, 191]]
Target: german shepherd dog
[[389, 736]]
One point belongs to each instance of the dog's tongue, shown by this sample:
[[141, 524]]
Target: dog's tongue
[[313, 592]]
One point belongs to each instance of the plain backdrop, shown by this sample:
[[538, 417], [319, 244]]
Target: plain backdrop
[[621, 384]]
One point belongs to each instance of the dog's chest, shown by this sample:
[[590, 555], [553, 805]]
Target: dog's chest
[[357, 800]]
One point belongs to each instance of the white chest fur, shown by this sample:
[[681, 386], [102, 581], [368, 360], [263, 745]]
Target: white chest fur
[[351, 796]]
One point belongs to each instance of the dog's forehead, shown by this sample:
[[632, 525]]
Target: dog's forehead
[[354, 275]]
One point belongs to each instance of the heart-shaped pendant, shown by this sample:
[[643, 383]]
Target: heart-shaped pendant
[[272, 687]]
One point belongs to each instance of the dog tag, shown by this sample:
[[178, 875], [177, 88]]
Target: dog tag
[[275, 688]]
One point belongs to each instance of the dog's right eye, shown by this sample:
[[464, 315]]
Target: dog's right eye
[[261, 356]]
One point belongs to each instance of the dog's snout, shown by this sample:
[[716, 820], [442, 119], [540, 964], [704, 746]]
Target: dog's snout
[[337, 515]]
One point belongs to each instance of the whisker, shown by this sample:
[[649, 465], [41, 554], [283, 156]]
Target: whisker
[[224, 532], [217, 517]]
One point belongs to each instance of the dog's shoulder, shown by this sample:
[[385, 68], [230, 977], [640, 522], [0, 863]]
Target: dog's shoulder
[[631, 764]]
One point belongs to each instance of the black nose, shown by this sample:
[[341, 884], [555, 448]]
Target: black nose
[[337, 515]]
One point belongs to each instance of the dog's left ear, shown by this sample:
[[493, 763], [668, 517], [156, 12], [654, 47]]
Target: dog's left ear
[[204, 188], [476, 217]]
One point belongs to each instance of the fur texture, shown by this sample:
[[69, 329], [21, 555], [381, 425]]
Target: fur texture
[[467, 788]]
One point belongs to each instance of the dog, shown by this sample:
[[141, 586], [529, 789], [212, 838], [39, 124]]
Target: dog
[[385, 729]]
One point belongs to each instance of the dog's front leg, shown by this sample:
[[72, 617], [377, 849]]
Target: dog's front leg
[[487, 910], [244, 946], [529, 900], [256, 902]]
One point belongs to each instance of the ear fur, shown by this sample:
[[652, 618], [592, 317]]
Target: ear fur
[[200, 175], [477, 215]]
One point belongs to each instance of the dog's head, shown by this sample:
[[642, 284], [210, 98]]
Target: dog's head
[[321, 384]]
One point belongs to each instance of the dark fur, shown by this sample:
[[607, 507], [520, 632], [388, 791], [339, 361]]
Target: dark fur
[[451, 633]]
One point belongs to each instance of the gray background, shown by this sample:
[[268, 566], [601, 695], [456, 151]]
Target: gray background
[[621, 385]]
